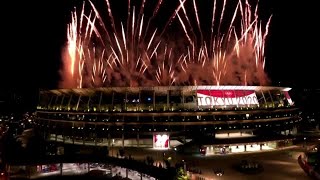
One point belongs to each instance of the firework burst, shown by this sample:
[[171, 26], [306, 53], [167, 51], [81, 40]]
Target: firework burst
[[133, 52]]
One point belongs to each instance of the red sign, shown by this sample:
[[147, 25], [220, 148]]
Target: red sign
[[226, 97], [161, 141]]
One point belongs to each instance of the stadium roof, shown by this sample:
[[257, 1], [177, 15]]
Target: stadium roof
[[85, 91]]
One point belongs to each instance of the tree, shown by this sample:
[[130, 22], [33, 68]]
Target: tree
[[181, 174], [121, 152], [167, 163], [12, 149], [150, 160]]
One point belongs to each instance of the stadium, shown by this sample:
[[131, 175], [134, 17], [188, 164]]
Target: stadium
[[220, 119]]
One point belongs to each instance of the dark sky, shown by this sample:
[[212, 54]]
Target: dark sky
[[33, 34]]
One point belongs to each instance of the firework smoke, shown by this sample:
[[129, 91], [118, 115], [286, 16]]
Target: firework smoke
[[134, 52]]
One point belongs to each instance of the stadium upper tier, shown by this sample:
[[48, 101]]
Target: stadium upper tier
[[136, 116], [164, 98]]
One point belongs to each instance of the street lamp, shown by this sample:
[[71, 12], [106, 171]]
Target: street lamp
[[184, 165], [112, 147]]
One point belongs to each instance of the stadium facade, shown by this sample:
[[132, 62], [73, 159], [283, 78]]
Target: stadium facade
[[222, 119]]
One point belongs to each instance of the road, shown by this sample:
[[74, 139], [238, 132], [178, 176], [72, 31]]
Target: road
[[277, 164]]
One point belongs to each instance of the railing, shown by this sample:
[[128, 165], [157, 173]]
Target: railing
[[308, 169], [153, 171]]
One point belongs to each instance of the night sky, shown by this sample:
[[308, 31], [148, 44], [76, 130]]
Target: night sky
[[33, 34]]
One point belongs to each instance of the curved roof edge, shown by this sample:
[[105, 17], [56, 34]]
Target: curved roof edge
[[164, 88]]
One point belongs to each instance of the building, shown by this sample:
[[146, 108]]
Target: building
[[307, 100], [17, 100], [228, 118]]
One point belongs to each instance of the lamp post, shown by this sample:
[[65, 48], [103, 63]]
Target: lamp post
[[112, 147], [184, 165]]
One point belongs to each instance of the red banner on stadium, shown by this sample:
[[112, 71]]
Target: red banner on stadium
[[161, 141], [226, 97]]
